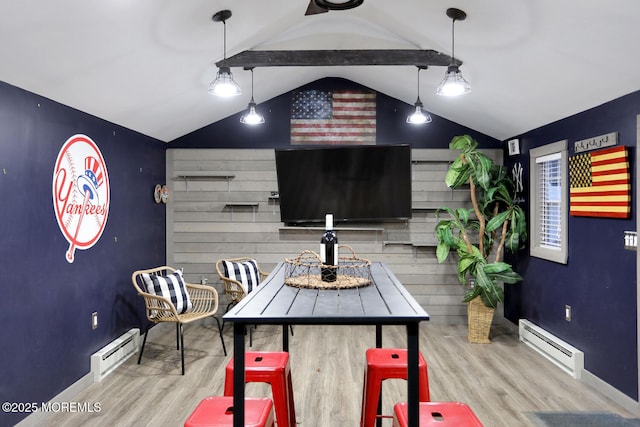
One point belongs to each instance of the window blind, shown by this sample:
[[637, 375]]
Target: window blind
[[550, 198]]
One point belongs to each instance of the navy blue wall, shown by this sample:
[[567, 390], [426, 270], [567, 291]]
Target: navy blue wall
[[599, 280], [391, 117], [46, 305]]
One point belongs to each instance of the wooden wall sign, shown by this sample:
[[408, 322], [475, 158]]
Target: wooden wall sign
[[596, 142]]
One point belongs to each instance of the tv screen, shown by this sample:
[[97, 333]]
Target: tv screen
[[365, 183]]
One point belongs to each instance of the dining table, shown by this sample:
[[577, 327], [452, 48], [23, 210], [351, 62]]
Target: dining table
[[385, 301]]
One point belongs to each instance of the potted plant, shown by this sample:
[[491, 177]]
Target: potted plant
[[479, 235]]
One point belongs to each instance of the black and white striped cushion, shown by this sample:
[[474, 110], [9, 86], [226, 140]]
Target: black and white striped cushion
[[245, 272], [171, 287]]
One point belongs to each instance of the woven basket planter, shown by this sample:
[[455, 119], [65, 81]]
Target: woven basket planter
[[480, 318]]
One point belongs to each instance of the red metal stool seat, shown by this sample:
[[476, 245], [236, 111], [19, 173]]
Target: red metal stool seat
[[269, 367], [217, 411], [440, 414], [383, 364]]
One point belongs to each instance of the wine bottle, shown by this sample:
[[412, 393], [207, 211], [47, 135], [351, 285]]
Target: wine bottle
[[329, 251]]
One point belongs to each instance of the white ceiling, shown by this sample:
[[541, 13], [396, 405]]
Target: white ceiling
[[146, 64]]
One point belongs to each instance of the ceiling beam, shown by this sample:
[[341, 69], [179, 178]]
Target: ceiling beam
[[323, 58]]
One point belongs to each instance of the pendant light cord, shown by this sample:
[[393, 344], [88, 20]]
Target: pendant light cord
[[252, 85], [224, 41], [453, 41]]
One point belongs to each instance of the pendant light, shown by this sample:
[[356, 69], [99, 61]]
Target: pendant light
[[224, 85], [252, 117], [419, 116], [453, 83]]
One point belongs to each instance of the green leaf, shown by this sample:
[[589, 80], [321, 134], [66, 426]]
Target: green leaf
[[442, 252], [463, 178], [476, 253], [482, 178], [517, 236], [481, 166], [463, 215], [496, 222], [519, 222], [512, 242], [452, 175], [442, 226], [492, 300], [457, 174], [465, 263], [471, 294], [462, 142], [491, 293], [496, 267], [485, 162], [500, 192], [481, 278], [448, 238], [444, 209], [509, 277], [462, 278]]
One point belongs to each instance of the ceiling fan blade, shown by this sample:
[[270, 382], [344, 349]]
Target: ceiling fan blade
[[314, 9]]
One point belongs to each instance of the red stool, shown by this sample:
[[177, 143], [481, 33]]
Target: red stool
[[383, 364], [269, 367], [440, 414], [217, 411]]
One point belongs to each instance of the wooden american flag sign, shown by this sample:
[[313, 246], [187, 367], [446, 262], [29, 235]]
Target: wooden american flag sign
[[600, 184], [333, 117]]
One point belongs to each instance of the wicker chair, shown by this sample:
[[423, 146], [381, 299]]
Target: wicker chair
[[235, 289], [202, 302]]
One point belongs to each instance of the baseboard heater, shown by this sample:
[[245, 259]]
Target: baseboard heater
[[108, 358], [565, 356]]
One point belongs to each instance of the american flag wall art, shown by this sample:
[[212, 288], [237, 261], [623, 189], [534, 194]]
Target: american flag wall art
[[600, 184], [333, 117]]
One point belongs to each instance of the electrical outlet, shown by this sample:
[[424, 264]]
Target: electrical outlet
[[94, 320], [567, 313]]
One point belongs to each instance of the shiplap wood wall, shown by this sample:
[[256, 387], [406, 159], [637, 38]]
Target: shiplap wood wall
[[221, 206]]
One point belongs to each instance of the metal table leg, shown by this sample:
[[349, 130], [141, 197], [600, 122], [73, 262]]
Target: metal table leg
[[238, 374], [413, 396]]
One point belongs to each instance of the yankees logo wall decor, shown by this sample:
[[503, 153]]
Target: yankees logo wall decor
[[80, 193]]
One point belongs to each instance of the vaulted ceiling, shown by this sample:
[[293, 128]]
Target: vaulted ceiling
[[146, 64]]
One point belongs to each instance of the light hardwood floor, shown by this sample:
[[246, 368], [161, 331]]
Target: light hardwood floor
[[501, 381]]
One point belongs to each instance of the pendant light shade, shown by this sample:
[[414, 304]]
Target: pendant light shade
[[224, 85], [419, 116], [252, 117], [453, 83]]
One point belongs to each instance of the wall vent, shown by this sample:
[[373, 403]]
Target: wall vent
[[108, 358], [565, 356]]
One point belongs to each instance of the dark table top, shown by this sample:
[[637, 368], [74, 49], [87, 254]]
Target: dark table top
[[384, 302]]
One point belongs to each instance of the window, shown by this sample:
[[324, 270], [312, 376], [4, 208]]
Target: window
[[548, 207]]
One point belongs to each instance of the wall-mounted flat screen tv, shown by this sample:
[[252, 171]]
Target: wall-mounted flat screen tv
[[357, 183]]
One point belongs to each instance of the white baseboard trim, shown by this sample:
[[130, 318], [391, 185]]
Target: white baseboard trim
[[38, 419], [612, 393]]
